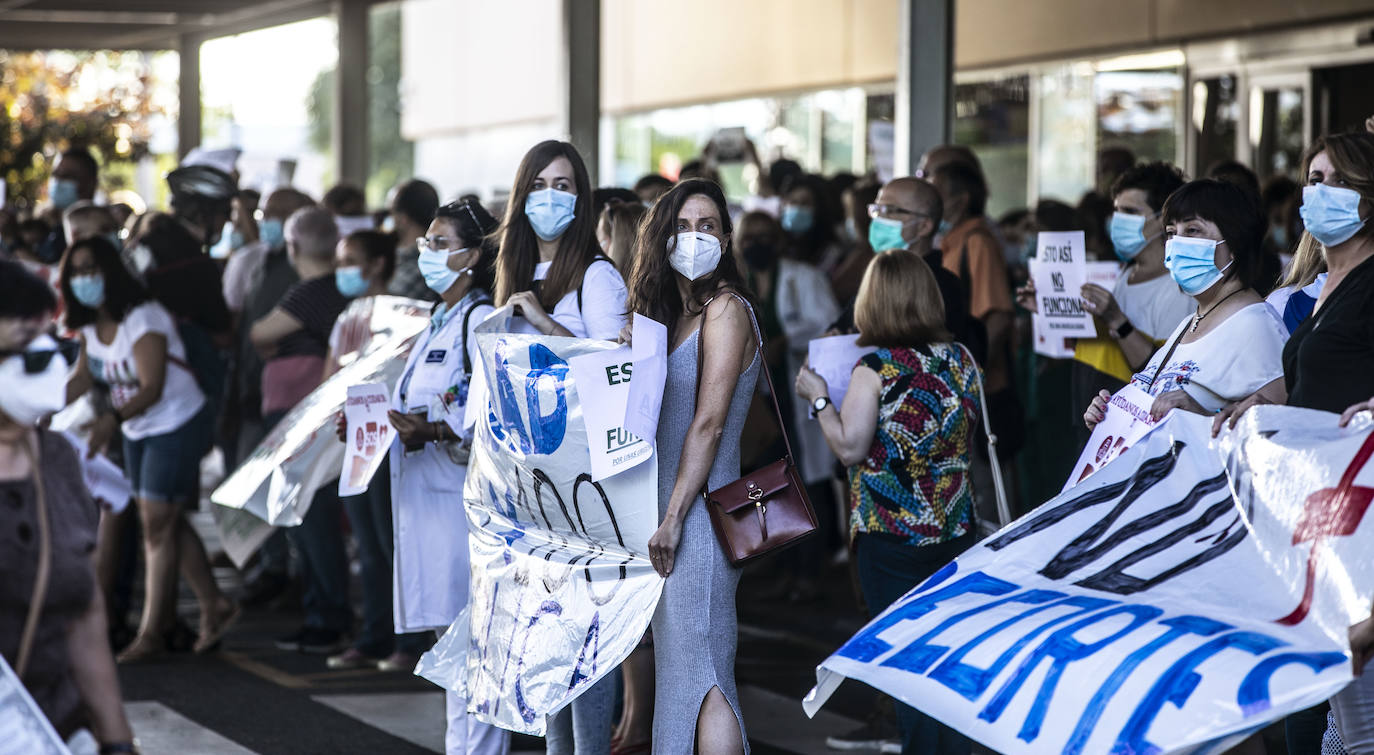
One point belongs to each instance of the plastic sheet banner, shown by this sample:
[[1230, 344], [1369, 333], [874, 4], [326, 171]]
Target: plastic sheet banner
[[303, 453], [23, 727], [1178, 600], [562, 589]]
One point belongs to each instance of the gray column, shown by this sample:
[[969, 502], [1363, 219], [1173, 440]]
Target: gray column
[[925, 80], [581, 92], [350, 132], [188, 93]]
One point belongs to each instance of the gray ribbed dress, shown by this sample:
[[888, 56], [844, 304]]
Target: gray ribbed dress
[[694, 627]]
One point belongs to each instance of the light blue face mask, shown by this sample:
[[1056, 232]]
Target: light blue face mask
[[272, 232], [1192, 263], [1128, 235], [433, 264], [944, 229], [1331, 214], [225, 245], [350, 281], [797, 220], [550, 212], [63, 192], [89, 290], [885, 234]]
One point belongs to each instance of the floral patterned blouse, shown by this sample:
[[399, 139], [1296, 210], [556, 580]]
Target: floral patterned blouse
[[915, 484]]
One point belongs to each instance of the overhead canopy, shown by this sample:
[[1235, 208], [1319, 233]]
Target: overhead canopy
[[140, 24]]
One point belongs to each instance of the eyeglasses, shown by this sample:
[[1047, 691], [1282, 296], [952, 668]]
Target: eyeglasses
[[893, 211], [437, 244], [37, 361]]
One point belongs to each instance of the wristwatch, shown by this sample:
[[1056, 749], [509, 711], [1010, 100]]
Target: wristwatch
[[820, 403], [1124, 330]]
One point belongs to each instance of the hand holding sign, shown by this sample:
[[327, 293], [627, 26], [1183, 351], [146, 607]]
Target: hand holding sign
[[367, 435]]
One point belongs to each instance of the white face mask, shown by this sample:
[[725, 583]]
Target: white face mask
[[28, 397], [694, 254]]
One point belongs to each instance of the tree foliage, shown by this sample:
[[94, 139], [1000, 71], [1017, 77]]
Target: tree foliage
[[107, 101]]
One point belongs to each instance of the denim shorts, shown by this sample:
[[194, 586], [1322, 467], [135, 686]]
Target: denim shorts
[[166, 468]]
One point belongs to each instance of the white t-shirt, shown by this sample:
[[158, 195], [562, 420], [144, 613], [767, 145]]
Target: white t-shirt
[[1243, 354], [603, 303], [113, 364], [1153, 307]]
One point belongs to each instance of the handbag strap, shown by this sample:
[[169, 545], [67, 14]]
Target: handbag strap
[[40, 580], [998, 486], [763, 365]]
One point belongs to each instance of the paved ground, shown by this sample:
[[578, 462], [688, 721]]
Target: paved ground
[[253, 698]]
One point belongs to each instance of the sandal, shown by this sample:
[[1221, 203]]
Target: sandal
[[209, 640]]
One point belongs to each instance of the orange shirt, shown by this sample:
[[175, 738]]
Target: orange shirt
[[989, 290]]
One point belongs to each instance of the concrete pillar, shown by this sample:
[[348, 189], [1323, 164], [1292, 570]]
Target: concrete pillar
[[350, 126], [925, 80], [188, 93], [581, 91]]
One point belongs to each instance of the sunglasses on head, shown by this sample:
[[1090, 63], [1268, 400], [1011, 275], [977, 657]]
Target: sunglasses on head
[[37, 361]]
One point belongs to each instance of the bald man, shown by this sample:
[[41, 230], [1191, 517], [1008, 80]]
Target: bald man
[[905, 216]]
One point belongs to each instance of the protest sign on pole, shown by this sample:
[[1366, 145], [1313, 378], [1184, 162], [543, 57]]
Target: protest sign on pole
[[23, 727], [833, 358], [302, 453], [1178, 600], [1127, 420], [1059, 274], [368, 435], [562, 588]]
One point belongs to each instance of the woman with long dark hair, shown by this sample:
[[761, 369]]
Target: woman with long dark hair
[[550, 266], [685, 277]]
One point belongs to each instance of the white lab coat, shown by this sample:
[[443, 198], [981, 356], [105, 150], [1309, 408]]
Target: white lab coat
[[806, 309], [430, 573]]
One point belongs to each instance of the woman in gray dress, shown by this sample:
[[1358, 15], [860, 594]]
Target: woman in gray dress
[[685, 277]]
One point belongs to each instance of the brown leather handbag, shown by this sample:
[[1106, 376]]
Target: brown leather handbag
[[766, 509]]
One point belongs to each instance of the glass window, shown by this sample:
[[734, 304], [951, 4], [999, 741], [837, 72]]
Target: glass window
[[993, 118], [1216, 113], [1139, 110], [1276, 130], [1065, 159]]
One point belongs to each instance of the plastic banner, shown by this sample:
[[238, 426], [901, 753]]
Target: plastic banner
[[303, 453], [23, 727], [1178, 600], [562, 589]]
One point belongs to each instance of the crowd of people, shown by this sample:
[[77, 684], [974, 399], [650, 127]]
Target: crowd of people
[[203, 326]]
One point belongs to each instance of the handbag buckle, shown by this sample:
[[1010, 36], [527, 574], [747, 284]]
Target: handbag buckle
[[755, 493]]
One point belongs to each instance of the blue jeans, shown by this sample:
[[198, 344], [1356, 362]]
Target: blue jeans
[[584, 727], [887, 570], [370, 515]]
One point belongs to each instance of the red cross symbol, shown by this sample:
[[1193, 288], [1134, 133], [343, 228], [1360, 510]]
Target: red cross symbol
[[1328, 513]]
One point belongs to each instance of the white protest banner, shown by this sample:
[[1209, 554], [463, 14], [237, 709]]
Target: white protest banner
[[23, 727], [368, 435], [303, 453], [562, 589], [1059, 274], [1178, 600], [649, 346], [833, 358], [603, 380], [1127, 420]]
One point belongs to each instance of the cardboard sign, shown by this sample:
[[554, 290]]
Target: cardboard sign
[[649, 347], [1178, 600], [1059, 274], [562, 588], [834, 358], [368, 435], [1127, 420]]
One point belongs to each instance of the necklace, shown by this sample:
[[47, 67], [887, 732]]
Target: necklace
[[1197, 318]]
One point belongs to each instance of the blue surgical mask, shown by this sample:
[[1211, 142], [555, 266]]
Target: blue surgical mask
[[89, 290], [350, 281], [1280, 236], [1330, 213], [63, 192], [433, 264], [851, 229], [222, 248], [550, 212], [944, 229], [272, 232], [885, 234], [1128, 235], [1192, 263], [797, 220]]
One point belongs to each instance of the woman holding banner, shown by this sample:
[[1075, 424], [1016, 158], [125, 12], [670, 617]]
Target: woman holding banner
[[685, 277], [429, 453], [1232, 345], [1328, 364], [552, 270], [904, 433]]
